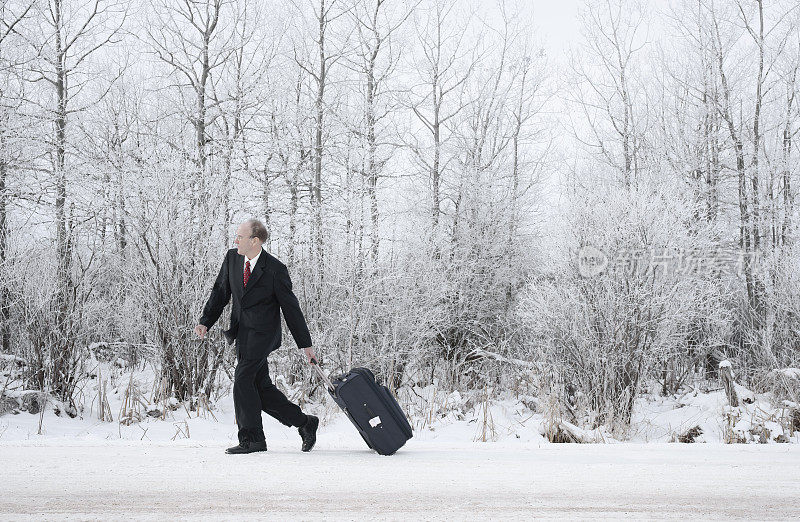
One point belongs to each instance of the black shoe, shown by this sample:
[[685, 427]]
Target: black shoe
[[308, 432], [247, 447]]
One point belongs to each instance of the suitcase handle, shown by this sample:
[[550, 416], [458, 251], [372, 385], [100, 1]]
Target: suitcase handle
[[322, 375]]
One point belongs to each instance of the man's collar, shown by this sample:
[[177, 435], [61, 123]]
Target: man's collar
[[255, 259]]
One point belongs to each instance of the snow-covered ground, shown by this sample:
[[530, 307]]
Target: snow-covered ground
[[438, 415], [428, 479], [175, 466]]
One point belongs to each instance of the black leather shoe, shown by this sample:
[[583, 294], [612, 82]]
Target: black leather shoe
[[308, 432], [247, 447]]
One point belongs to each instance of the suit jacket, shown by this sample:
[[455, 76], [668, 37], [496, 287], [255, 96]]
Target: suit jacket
[[255, 320]]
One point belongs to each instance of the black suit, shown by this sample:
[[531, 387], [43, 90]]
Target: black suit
[[256, 327]]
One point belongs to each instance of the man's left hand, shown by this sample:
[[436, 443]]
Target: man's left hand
[[310, 354]]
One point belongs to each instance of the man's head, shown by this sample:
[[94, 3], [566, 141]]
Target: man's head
[[250, 235]]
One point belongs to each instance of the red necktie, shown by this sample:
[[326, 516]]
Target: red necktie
[[246, 273]]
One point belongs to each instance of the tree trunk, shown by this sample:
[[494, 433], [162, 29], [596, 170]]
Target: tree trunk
[[372, 168], [316, 191], [726, 374], [786, 174], [788, 200], [120, 226], [435, 174], [62, 246], [746, 229], [5, 334], [265, 193]]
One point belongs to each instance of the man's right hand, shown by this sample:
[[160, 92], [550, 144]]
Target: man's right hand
[[201, 330]]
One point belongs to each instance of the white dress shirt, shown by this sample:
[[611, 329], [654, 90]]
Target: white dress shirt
[[252, 262]]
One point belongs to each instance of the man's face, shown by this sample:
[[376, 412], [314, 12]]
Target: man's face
[[246, 245]]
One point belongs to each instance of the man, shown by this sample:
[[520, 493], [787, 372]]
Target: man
[[260, 286]]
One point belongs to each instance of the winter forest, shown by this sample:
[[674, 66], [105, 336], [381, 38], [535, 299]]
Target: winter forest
[[477, 219]]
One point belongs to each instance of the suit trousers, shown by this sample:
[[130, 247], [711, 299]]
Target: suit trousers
[[253, 391]]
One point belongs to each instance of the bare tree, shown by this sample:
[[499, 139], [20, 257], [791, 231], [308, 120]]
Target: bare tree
[[292, 143], [12, 15], [500, 148], [69, 35], [742, 125], [690, 126], [240, 94], [614, 105], [377, 59], [317, 63], [444, 67], [196, 40], [788, 134], [72, 33]]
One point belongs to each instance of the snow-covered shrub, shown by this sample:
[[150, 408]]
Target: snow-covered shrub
[[773, 340], [176, 252], [383, 316], [609, 326], [51, 328]]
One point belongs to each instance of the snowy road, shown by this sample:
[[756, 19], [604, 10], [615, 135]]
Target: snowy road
[[427, 480]]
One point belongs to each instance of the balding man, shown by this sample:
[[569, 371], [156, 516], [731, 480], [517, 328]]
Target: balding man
[[260, 287]]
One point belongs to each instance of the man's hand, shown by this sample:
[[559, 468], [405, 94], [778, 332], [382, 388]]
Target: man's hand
[[310, 354], [201, 330]]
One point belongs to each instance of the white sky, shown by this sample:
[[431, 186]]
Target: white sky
[[557, 22]]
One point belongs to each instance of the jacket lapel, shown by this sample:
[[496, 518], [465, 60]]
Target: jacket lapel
[[257, 272], [238, 273]]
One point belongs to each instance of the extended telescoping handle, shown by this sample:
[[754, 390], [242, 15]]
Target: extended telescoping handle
[[321, 374]]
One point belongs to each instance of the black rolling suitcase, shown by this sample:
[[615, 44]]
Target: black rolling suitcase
[[370, 407]]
